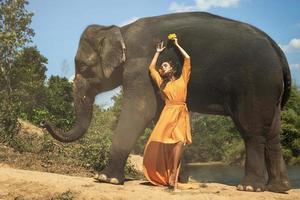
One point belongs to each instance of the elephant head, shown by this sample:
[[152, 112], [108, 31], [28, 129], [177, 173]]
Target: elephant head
[[101, 50]]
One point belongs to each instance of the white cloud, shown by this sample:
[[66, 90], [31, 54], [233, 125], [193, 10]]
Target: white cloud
[[292, 46], [298, 24], [180, 7], [129, 21], [203, 5], [295, 66]]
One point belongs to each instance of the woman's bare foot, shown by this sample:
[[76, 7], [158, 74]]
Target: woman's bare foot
[[172, 180]]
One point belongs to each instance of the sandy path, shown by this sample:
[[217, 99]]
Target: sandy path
[[23, 185]]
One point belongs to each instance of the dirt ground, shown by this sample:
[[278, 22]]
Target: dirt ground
[[36, 184], [24, 184]]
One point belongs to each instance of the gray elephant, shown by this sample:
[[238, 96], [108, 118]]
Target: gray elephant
[[237, 71]]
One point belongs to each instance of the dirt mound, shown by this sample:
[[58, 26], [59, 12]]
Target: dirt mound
[[29, 128], [137, 162]]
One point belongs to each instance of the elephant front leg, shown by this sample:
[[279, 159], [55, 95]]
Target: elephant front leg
[[134, 117]]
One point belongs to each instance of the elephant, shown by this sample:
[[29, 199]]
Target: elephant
[[237, 71]]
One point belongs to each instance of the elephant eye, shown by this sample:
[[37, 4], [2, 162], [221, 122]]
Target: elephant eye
[[86, 59], [101, 44]]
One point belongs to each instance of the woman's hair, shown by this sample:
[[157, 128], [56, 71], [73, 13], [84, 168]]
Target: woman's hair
[[167, 77]]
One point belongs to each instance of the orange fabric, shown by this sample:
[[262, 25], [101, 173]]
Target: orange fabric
[[173, 126]]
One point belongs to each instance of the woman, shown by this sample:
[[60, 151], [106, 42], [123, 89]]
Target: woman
[[161, 160]]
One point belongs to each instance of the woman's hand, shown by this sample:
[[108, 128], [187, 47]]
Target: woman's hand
[[160, 47], [183, 52], [175, 41]]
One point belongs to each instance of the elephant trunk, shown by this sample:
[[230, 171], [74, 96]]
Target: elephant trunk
[[83, 103]]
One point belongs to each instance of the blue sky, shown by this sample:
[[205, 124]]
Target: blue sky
[[58, 24]]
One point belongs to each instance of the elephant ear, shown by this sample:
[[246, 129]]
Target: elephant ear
[[111, 49]]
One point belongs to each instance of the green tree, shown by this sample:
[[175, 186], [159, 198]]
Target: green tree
[[15, 34], [214, 137], [56, 103], [117, 99], [290, 128], [28, 78]]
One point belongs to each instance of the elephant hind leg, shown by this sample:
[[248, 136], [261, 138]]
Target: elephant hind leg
[[278, 179], [259, 125], [251, 124]]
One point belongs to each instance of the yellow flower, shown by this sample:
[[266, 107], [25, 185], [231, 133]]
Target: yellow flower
[[171, 36]]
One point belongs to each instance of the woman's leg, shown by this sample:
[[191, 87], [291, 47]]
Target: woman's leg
[[178, 149]]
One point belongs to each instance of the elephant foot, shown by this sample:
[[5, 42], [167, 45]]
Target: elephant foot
[[251, 187], [112, 178], [279, 186]]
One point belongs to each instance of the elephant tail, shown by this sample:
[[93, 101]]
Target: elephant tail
[[287, 79]]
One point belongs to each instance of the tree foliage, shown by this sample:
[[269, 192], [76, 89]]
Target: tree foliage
[[28, 77], [57, 103], [213, 139], [25, 92], [290, 128], [15, 34]]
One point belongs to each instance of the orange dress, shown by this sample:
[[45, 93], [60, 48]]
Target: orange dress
[[173, 126]]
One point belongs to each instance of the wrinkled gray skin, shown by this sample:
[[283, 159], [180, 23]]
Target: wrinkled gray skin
[[237, 71]]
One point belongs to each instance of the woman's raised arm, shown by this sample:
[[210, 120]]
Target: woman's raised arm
[[153, 72], [186, 68]]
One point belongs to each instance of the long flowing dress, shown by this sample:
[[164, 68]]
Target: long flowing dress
[[173, 126]]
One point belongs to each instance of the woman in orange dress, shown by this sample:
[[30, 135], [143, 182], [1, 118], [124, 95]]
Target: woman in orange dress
[[161, 160]]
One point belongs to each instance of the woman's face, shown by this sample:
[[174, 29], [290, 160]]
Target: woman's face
[[165, 68]]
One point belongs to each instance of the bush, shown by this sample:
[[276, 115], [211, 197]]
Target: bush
[[290, 128], [212, 136], [235, 153], [9, 125]]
